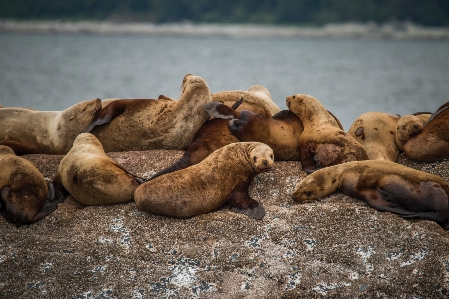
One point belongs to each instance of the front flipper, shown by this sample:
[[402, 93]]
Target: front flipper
[[107, 114], [56, 191], [239, 201], [386, 202]]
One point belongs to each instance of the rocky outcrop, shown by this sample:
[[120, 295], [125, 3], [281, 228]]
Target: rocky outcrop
[[338, 247]]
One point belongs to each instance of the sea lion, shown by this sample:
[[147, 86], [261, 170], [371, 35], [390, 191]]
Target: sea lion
[[91, 177], [257, 99], [24, 193], [409, 126], [224, 176], [280, 132], [323, 142], [383, 185], [28, 131], [143, 124], [376, 132], [432, 143]]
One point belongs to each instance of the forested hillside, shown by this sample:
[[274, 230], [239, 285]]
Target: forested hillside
[[302, 12]]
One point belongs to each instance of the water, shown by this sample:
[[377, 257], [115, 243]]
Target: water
[[349, 77]]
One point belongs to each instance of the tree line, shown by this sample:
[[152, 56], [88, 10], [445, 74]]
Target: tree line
[[285, 12]]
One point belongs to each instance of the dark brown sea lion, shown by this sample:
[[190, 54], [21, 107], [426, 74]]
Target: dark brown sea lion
[[409, 126], [280, 132], [223, 177], [257, 99], [24, 193], [383, 185], [376, 132], [91, 177], [28, 131], [323, 143], [143, 124]]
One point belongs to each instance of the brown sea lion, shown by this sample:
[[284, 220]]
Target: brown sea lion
[[91, 177], [376, 132], [24, 193], [323, 143], [223, 177], [280, 132], [143, 124], [432, 143], [28, 131], [409, 126], [383, 185], [257, 99]]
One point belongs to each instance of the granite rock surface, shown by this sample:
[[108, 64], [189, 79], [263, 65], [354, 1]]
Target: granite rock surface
[[337, 247]]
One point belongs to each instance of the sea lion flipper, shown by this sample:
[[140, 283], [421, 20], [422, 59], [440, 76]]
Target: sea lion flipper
[[219, 110], [385, 202], [59, 193], [240, 202], [107, 114]]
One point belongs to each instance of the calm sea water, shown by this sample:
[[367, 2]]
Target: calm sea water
[[350, 77]]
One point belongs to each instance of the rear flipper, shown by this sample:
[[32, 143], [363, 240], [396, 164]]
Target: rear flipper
[[386, 202], [240, 202]]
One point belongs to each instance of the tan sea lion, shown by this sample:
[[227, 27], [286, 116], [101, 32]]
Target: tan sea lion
[[383, 185], [223, 177], [91, 177], [409, 126], [323, 142], [28, 131], [376, 132], [432, 143], [143, 124], [257, 99], [24, 193]]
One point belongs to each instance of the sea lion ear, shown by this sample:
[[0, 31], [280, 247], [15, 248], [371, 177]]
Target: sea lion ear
[[219, 110]]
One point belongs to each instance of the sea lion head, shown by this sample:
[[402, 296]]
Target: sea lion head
[[6, 150], [407, 127], [260, 156], [87, 142], [313, 187]]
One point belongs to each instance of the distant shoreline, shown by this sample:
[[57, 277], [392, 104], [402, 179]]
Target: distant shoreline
[[400, 31]]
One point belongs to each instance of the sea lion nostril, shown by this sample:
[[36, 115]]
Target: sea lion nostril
[[416, 126], [265, 162]]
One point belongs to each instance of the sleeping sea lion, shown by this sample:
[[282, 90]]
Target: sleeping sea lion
[[24, 193], [432, 143], [91, 177], [409, 126], [28, 131], [223, 177], [143, 124], [257, 99], [383, 185], [376, 132], [323, 142]]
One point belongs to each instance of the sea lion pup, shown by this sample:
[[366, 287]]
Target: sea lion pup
[[143, 124], [257, 99], [376, 132], [91, 177], [409, 126], [24, 193], [28, 131], [383, 185], [432, 143], [323, 142], [223, 177]]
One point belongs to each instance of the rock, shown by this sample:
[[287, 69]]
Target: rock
[[338, 247]]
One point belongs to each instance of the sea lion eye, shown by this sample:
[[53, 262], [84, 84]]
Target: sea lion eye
[[254, 159], [271, 156], [308, 193]]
